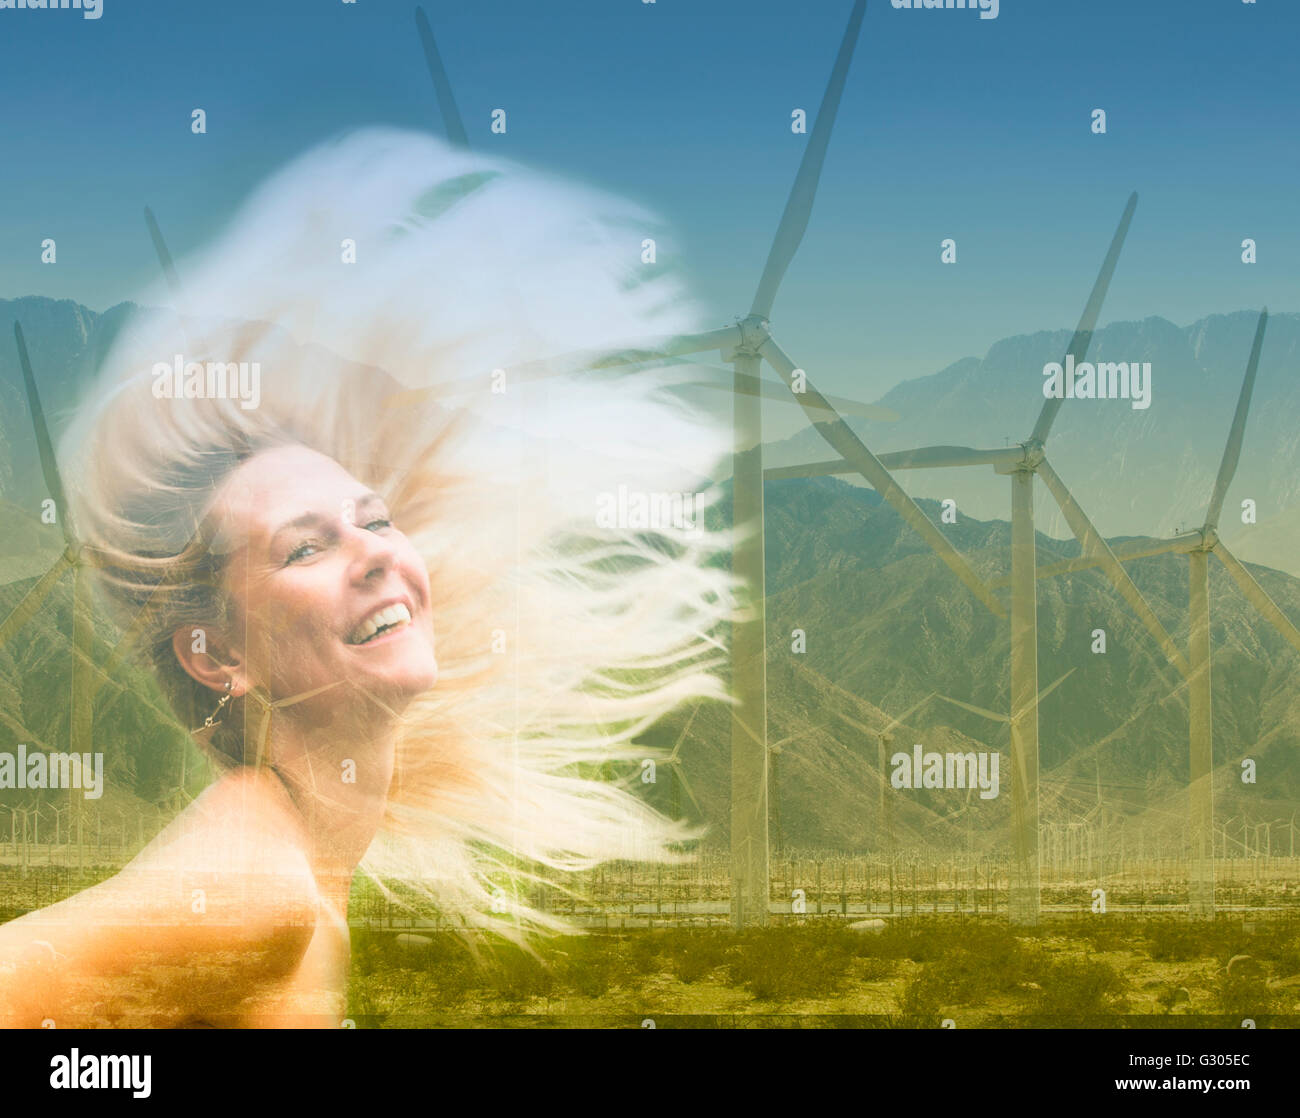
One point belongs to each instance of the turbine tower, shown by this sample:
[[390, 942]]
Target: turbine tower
[[1021, 463], [1199, 545], [83, 689], [744, 346]]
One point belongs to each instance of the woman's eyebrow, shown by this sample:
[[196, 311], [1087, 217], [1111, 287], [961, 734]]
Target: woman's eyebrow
[[315, 519], [306, 520]]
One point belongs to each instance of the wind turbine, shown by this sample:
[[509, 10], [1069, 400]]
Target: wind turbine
[[674, 763], [744, 346], [1008, 719], [1198, 545], [1021, 463], [1019, 835], [884, 740], [81, 700]]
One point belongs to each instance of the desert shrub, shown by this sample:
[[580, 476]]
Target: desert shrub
[[643, 951], [695, 955], [1171, 941], [515, 975], [1074, 988], [934, 938], [365, 1008], [1244, 997], [445, 963], [958, 978], [1102, 933], [1277, 942], [792, 962], [874, 970], [589, 965]]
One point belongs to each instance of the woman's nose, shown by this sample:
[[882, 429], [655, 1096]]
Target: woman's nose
[[372, 553]]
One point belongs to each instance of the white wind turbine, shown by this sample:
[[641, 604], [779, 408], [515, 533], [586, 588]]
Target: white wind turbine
[[1198, 545], [1021, 462], [1010, 721], [745, 346]]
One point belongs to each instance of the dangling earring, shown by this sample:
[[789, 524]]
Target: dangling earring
[[212, 718]]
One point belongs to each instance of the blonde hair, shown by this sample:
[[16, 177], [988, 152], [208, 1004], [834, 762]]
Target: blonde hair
[[399, 366]]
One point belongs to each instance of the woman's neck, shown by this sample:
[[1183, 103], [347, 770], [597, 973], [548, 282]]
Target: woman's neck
[[337, 775]]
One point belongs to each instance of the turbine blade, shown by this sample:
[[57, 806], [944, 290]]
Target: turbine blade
[[911, 710], [127, 640], [842, 439], [1091, 541], [799, 205], [164, 257], [31, 601], [942, 457], [49, 466], [1257, 595], [923, 458], [856, 724], [756, 386], [102, 679], [686, 787], [24, 734], [132, 632], [989, 714], [81, 707], [1083, 334], [811, 469], [677, 745], [451, 119], [1129, 549], [1232, 452], [1053, 686]]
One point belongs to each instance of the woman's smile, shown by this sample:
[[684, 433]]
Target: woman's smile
[[382, 623], [317, 563]]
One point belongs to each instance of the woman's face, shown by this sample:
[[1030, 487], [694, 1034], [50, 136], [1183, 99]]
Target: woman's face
[[325, 587]]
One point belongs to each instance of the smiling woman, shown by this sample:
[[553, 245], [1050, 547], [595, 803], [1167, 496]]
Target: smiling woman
[[382, 599]]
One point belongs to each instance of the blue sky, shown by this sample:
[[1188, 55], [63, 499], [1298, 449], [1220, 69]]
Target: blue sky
[[951, 126]]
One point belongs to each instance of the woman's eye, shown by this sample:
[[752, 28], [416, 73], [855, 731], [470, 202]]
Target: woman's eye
[[302, 551], [378, 525]]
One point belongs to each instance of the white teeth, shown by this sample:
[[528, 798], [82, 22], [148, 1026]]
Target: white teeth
[[380, 619]]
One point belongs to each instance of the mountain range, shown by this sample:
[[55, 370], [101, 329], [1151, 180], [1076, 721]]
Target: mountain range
[[1137, 472], [887, 629]]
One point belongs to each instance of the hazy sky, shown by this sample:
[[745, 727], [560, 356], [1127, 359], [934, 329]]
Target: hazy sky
[[951, 126]]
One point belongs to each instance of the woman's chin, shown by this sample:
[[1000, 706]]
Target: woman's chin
[[401, 663], [406, 681]]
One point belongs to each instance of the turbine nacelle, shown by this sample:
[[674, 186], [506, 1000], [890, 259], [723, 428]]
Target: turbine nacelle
[[1032, 454]]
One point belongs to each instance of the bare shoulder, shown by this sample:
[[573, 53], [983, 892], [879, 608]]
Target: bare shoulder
[[223, 900], [243, 823], [236, 855]]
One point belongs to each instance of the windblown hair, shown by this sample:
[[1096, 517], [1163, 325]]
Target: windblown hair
[[561, 637]]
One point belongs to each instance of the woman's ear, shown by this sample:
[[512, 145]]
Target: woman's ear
[[205, 658]]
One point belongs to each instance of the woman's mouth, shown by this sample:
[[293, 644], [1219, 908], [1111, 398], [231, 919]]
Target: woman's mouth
[[385, 620]]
